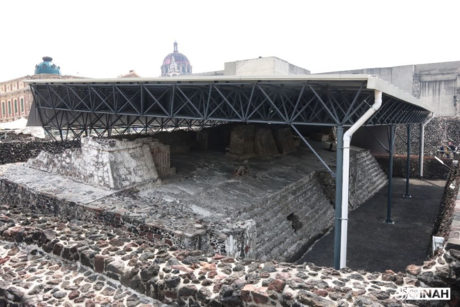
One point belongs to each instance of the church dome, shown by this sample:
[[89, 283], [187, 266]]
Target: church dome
[[175, 64], [47, 67]]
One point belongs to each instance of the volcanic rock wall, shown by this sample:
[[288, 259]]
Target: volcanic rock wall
[[13, 152], [186, 277], [432, 169], [440, 129]]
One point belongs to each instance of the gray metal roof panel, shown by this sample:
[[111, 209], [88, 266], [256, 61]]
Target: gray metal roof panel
[[373, 83]]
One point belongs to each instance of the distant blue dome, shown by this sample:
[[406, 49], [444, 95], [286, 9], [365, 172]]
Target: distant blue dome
[[47, 67]]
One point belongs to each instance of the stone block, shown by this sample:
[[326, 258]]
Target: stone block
[[202, 137], [320, 137], [108, 163], [264, 143], [242, 142], [285, 140], [241, 238], [99, 263]]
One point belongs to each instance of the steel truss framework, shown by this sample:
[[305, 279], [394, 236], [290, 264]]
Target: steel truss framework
[[123, 107]]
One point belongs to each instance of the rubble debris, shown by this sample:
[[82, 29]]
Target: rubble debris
[[242, 170]]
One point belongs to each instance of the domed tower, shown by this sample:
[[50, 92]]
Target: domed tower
[[175, 64], [47, 67]]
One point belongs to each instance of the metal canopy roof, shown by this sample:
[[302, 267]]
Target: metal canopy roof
[[156, 103]]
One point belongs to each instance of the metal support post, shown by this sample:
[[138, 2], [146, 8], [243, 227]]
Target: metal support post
[[407, 195], [338, 197], [390, 174], [422, 149], [61, 135], [422, 143]]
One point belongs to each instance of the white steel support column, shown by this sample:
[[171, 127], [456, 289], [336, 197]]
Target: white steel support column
[[346, 173]]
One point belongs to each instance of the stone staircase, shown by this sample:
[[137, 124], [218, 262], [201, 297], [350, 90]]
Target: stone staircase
[[289, 219], [366, 178]]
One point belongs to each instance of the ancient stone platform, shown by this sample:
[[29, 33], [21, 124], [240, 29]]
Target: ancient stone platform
[[52, 184], [272, 212]]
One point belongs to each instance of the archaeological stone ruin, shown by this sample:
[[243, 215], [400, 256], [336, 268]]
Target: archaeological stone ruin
[[214, 217]]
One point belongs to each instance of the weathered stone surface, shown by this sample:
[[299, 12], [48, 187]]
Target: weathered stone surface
[[150, 272], [99, 263], [285, 140], [431, 279], [59, 294], [413, 269], [13, 152], [130, 163], [277, 285], [242, 141], [264, 143], [187, 290], [47, 235], [310, 299], [116, 267], [172, 282]]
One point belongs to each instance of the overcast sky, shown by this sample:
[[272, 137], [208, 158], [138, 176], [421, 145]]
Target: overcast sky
[[99, 38]]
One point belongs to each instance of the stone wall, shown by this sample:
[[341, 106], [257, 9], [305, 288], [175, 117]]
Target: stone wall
[[13, 152], [447, 224], [102, 162], [161, 154], [260, 141], [168, 224], [432, 169], [366, 179], [440, 129], [193, 278], [290, 220]]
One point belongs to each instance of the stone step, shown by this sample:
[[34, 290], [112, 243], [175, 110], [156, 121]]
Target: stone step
[[278, 209], [306, 186], [289, 236], [288, 245], [268, 214], [370, 189], [280, 215], [367, 185]]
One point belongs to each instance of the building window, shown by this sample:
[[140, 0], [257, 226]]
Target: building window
[[22, 105], [9, 107], [3, 109], [15, 106]]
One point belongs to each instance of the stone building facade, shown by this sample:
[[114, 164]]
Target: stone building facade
[[15, 95]]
